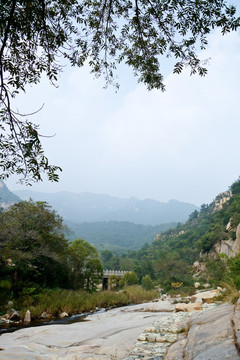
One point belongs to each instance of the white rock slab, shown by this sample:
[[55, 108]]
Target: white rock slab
[[103, 336], [159, 306]]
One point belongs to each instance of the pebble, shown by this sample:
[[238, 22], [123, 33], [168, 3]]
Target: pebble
[[154, 342]]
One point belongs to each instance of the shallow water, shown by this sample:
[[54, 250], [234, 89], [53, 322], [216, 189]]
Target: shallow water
[[11, 327]]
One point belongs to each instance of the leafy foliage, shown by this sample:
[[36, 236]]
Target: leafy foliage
[[85, 265], [102, 33], [147, 283], [235, 187], [34, 252], [130, 278]]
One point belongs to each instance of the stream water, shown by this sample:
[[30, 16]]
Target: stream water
[[13, 326]]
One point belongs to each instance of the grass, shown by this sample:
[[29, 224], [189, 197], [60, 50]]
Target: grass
[[76, 302], [231, 293], [137, 294]]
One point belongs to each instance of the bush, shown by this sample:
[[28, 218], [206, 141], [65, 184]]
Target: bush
[[147, 283], [130, 278], [137, 294]]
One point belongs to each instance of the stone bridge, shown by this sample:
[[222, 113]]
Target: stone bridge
[[111, 278]]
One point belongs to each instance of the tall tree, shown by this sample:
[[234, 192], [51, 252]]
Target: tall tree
[[34, 34], [86, 268], [32, 243]]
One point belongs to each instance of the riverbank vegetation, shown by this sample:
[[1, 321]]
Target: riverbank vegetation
[[56, 301], [41, 272], [35, 255]]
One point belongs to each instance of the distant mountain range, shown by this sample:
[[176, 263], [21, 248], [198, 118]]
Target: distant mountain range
[[7, 198], [88, 207], [107, 222]]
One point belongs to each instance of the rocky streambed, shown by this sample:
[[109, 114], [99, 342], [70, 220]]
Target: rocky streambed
[[166, 329], [212, 333]]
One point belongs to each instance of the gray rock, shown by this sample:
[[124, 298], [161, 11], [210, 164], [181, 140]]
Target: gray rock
[[176, 350], [15, 316], [63, 315], [211, 335], [161, 306], [27, 317], [151, 337], [45, 315]]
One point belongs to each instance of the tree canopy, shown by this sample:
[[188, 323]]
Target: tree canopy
[[35, 35], [34, 251]]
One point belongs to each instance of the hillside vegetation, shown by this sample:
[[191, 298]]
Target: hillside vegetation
[[169, 259], [117, 236]]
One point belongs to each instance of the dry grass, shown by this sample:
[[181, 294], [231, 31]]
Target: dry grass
[[231, 294], [76, 302]]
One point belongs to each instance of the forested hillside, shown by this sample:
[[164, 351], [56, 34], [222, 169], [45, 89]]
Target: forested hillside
[[169, 259], [117, 236]]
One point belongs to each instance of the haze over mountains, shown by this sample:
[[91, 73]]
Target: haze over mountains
[[88, 207], [107, 222]]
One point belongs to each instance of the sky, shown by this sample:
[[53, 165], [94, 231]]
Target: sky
[[182, 144]]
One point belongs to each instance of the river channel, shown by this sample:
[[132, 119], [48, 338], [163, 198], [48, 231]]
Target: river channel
[[14, 326]]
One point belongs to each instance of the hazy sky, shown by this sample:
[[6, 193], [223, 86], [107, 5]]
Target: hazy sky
[[183, 144]]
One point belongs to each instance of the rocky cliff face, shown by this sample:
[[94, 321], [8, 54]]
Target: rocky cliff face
[[229, 247], [7, 198], [221, 199]]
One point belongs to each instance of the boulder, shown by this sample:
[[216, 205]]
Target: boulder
[[176, 350], [27, 317], [170, 338], [151, 329], [151, 337], [206, 296], [142, 337], [229, 226], [188, 307], [196, 285], [15, 316], [45, 315], [63, 315], [160, 306]]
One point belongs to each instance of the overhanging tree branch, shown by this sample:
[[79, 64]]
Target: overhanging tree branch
[[102, 33]]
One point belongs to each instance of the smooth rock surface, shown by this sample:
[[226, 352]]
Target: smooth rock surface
[[105, 336], [211, 335], [160, 306]]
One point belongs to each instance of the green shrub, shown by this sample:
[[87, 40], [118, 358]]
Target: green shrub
[[130, 278], [147, 283]]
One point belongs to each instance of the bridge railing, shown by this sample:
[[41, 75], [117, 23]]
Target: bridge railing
[[107, 273]]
